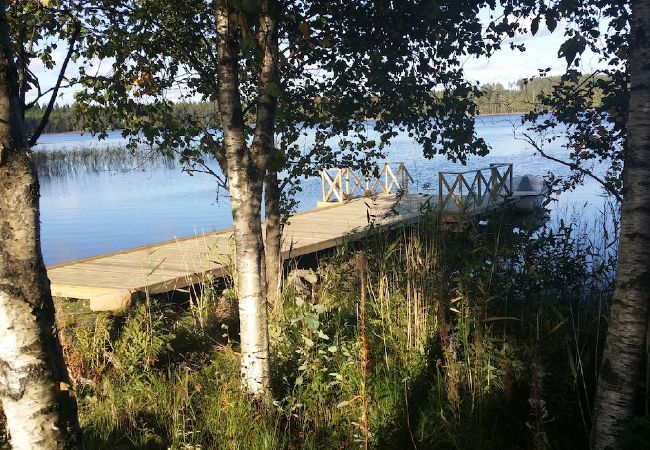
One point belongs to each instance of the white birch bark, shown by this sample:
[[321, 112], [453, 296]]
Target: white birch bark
[[28, 397], [32, 370], [246, 168], [628, 324]]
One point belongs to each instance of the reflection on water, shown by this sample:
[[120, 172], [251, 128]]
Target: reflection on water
[[92, 205]]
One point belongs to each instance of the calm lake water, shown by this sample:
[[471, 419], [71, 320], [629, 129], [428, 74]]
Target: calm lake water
[[87, 213]]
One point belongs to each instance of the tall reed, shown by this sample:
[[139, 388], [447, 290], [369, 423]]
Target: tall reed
[[56, 163], [483, 338]]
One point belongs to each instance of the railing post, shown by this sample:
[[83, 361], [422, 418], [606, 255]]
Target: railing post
[[440, 205], [347, 182], [510, 170], [494, 172], [404, 183], [386, 168], [407, 182]]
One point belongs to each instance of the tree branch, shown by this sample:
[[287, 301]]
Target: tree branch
[[57, 86], [573, 166], [40, 94], [267, 96]]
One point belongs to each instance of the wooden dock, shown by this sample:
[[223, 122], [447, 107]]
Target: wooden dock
[[112, 280]]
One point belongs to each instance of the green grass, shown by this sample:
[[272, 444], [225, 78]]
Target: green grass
[[415, 338]]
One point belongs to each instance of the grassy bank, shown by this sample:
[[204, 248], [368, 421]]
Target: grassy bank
[[417, 338]]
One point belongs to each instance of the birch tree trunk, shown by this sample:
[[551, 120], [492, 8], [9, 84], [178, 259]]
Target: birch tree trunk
[[32, 370], [624, 348], [273, 242], [246, 201], [246, 170]]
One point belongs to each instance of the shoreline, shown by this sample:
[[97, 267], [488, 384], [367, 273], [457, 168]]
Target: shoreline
[[501, 114], [83, 132]]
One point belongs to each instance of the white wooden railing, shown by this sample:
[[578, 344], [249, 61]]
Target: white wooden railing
[[342, 183], [474, 188]]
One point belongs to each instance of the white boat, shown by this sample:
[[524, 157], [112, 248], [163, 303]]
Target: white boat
[[529, 191]]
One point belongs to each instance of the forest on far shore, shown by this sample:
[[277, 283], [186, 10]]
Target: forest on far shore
[[495, 98]]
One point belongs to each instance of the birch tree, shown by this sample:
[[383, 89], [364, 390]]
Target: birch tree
[[246, 169], [34, 384], [613, 131], [625, 348]]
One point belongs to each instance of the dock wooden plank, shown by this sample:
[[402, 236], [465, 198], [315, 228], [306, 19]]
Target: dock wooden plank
[[177, 263]]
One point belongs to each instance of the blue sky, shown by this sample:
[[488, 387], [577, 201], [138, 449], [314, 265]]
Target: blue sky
[[506, 66]]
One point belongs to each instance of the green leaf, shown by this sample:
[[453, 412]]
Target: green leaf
[[534, 26], [250, 6], [273, 89], [572, 366], [551, 23], [154, 268], [572, 47], [311, 321], [247, 42]]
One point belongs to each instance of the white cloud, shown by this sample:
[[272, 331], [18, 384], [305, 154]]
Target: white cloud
[[47, 77], [507, 66]]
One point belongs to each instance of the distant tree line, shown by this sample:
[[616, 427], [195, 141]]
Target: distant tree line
[[66, 118], [523, 96], [495, 98], [62, 118]]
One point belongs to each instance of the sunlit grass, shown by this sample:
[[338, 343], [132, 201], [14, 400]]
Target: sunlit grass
[[415, 338]]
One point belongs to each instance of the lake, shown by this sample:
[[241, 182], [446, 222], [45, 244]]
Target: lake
[[86, 213]]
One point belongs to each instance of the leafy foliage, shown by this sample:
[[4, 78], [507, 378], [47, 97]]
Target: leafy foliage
[[340, 64], [38, 29], [595, 132], [142, 340]]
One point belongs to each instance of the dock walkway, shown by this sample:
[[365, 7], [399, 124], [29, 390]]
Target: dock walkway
[[110, 281]]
